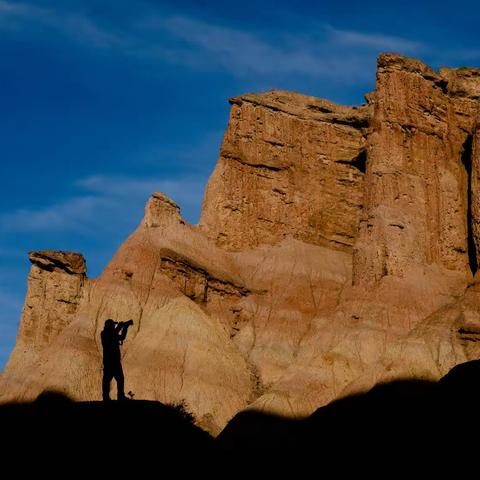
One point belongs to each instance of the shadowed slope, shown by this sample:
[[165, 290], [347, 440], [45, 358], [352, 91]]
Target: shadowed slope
[[54, 431], [400, 424]]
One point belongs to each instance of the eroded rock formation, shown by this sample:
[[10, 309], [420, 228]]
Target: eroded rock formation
[[337, 248], [55, 287], [290, 166]]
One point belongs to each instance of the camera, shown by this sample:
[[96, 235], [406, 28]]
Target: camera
[[128, 323]]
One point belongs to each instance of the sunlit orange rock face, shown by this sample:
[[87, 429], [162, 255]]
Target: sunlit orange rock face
[[337, 248]]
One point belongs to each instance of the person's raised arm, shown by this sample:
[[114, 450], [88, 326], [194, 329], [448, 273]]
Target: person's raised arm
[[122, 331]]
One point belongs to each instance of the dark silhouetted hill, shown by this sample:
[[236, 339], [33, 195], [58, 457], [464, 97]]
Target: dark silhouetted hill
[[399, 425], [101, 436], [412, 426]]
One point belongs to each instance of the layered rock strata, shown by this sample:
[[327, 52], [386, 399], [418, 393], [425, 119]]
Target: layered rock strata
[[290, 166], [55, 287]]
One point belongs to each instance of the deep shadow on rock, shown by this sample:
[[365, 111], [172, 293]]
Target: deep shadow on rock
[[374, 427], [114, 436], [400, 424]]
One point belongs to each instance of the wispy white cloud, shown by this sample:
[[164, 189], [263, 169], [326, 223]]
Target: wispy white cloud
[[9, 8], [104, 202], [374, 41], [71, 215], [323, 52], [327, 52], [183, 189], [75, 25], [243, 52]]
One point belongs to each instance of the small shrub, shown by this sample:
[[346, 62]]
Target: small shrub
[[182, 408]]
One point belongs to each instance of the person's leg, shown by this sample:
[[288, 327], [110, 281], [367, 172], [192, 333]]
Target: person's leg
[[107, 378], [120, 383]]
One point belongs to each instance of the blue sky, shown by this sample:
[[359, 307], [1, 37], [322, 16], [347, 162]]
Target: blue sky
[[104, 102]]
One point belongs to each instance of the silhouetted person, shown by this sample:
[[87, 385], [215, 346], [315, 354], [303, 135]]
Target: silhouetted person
[[113, 335]]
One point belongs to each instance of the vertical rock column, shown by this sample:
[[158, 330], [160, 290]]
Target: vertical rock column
[[55, 286], [463, 88], [415, 203]]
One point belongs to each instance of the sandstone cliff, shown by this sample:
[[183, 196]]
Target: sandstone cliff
[[337, 248]]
